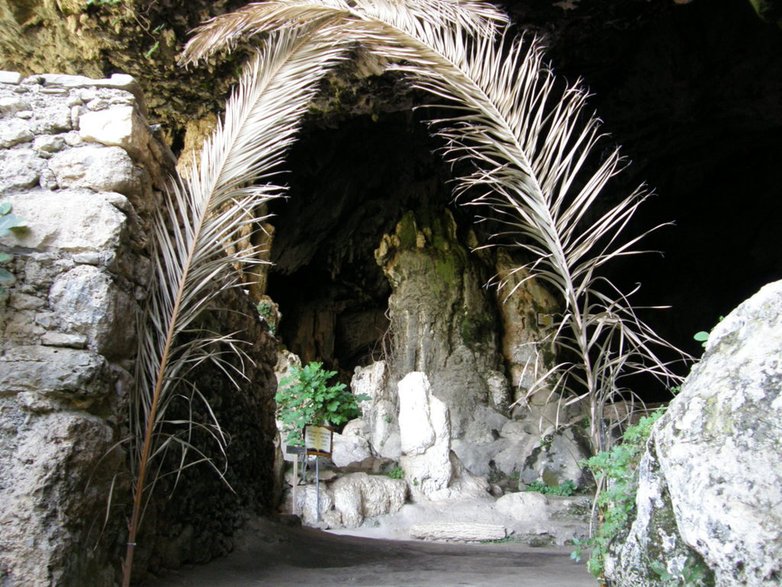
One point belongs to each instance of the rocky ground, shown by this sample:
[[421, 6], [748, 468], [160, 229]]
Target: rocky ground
[[273, 554]]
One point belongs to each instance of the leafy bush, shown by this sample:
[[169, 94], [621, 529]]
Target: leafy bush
[[617, 473], [268, 314], [396, 473], [564, 489], [305, 397]]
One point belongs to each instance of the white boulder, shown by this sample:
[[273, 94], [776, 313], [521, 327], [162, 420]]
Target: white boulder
[[346, 450], [425, 436], [711, 480]]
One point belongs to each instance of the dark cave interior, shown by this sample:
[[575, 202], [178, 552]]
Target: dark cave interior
[[692, 93]]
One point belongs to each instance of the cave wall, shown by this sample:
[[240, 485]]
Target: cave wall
[[79, 164]]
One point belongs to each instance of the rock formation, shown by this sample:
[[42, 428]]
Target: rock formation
[[711, 481]]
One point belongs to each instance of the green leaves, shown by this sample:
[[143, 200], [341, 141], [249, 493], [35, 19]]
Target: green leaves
[[617, 471], [702, 337], [564, 489], [305, 397], [8, 221]]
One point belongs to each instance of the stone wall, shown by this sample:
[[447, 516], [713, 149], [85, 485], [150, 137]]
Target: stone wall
[[79, 163]]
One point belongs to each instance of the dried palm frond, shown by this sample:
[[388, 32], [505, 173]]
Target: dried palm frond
[[193, 231], [529, 145], [473, 17]]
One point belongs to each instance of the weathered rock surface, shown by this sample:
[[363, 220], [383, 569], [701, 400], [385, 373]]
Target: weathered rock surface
[[711, 482], [346, 501], [425, 431], [465, 532], [380, 412], [346, 450], [440, 314], [555, 459], [358, 496]]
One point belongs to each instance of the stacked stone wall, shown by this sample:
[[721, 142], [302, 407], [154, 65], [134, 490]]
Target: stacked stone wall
[[80, 164]]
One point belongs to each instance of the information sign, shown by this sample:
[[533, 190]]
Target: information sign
[[317, 440], [292, 453]]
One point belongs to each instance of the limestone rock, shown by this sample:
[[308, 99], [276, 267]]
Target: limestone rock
[[348, 449], [19, 169], [716, 456], [422, 418], [556, 458], [83, 221], [119, 126], [13, 132], [454, 532], [371, 381], [103, 169], [525, 308], [356, 427], [380, 411], [425, 435], [43, 467], [48, 370], [440, 313], [285, 360], [10, 77], [87, 303], [309, 499], [540, 519], [358, 496]]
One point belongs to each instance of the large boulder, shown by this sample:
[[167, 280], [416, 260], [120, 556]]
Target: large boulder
[[711, 482], [347, 501]]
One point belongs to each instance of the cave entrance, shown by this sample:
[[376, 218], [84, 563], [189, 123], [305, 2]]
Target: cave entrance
[[349, 186]]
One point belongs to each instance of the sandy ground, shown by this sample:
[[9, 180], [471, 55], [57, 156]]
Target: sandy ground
[[270, 554]]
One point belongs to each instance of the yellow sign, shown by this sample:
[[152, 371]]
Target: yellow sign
[[317, 440]]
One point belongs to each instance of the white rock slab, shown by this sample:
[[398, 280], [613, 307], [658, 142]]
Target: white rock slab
[[456, 532]]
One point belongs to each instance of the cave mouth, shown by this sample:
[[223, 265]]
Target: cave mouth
[[690, 93], [349, 186]]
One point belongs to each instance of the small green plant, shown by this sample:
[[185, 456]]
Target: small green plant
[[564, 489], [396, 473], [8, 223], [692, 575], [305, 397], [616, 472], [266, 311], [702, 336]]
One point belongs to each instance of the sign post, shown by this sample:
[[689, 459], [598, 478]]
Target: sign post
[[294, 453], [317, 441]]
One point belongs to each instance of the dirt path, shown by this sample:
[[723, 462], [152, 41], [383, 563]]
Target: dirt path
[[276, 556]]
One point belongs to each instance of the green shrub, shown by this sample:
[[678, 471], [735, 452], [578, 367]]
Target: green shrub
[[268, 314], [617, 473], [396, 473], [305, 397], [564, 489]]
